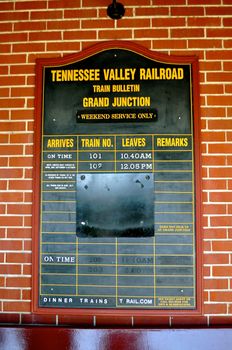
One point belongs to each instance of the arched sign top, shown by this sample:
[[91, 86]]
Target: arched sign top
[[116, 180], [119, 45]]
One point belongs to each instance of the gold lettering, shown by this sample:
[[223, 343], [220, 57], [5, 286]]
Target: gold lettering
[[172, 142], [133, 142], [60, 143]]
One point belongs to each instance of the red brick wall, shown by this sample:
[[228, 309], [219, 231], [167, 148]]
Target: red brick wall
[[31, 29]]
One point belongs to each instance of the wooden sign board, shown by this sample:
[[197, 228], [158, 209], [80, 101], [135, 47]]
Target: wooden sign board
[[117, 175]]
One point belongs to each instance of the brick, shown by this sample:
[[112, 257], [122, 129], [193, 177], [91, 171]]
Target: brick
[[169, 2], [3, 185], [187, 33], [218, 55], [64, 4], [2, 209], [106, 23], [12, 80], [22, 92], [187, 11], [20, 161], [22, 114], [214, 209], [152, 11], [7, 245], [20, 306], [71, 320], [9, 269], [220, 172], [214, 185], [13, 37], [30, 5], [80, 13], [220, 124], [4, 92], [44, 36], [227, 66], [9, 197], [222, 271], [28, 47], [213, 136], [197, 321], [222, 148], [27, 270], [71, 24], [225, 296], [204, 21], [228, 89], [9, 173], [204, 43], [168, 22], [19, 232], [19, 282], [221, 76], [12, 103], [212, 89], [27, 244], [221, 197], [28, 174], [64, 46], [113, 321], [218, 33], [227, 44], [5, 48], [206, 246], [29, 26], [18, 257], [28, 197], [2, 281], [225, 245], [3, 71], [227, 22], [14, 16], [205, 296], [11, 149], [214, 160], [23, 185], [6, 318], [214, 309], [150, 33], [6, 6], [210, 66], [21, 138], [221, 220], [213, 112], [216, 259], [6, 27], [220, 320], [117, 34], [38, 15], [18, 58], [219, 10], [169, 44], [19, 209], [151, 321], [38, 319], [79, 35]]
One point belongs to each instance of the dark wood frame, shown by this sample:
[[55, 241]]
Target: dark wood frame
[[43, 62]]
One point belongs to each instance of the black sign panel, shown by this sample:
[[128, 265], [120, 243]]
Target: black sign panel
[[117, 212]]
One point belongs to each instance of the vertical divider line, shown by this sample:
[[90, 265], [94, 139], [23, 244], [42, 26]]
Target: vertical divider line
[[116, 272], [154, 246], [77, 247], [115, 153], [77, 241]]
